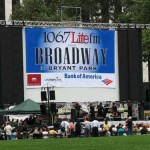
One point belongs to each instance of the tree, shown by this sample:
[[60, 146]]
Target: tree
[[146, 44], [50, 10], [125, 15], [137, 11], [140, 14], [140, 11], [115, 9], [35, 10], [105, 11], [146, 48]]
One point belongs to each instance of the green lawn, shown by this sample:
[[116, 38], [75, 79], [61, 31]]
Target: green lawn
[[99, 143]]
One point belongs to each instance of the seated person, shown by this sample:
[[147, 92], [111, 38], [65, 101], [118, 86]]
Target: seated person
[[107, 127], [52, 132], [144, 130], [45, 134], [137, 129], [14, 134], [102, 130], [37, 134], [59, 133], [113, 130], [1, 135], [148, 129], [121, 130]]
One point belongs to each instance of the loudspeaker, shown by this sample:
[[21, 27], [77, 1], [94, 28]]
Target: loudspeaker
[[43, 109], [73, 115], [117, 118], [134, 118], [43, 96], [52, 95], [53, 107]]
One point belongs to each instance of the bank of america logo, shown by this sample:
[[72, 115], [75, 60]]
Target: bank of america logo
[[107, 81]]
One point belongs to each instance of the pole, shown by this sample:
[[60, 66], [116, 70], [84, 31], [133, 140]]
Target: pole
[[48, 99]]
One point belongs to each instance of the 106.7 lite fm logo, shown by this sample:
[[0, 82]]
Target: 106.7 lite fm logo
[[69, 50], [63, 37]]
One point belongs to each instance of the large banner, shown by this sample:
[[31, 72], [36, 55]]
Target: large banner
[[69, 57]]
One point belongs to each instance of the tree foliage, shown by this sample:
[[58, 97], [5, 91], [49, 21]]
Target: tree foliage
[[50, 10], [140, 11], [146, 44], [35, 10], [137, 11]]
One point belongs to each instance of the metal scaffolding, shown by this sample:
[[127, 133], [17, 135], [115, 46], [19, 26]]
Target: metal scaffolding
[[74, 24]]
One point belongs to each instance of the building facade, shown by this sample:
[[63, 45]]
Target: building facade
[[6, 8]]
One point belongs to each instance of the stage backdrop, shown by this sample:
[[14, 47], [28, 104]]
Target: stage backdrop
[[82, 64]]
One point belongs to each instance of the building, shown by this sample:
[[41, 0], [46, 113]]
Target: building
[[6, 8]]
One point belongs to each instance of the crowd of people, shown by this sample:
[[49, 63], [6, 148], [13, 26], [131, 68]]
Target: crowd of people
[[69, 129], [90, 126]]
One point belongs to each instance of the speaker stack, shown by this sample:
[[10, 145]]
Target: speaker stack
[[117, 119], [134, 118], [52, 95], [53, 108], [73, 115], [43, 96], [43, 109]]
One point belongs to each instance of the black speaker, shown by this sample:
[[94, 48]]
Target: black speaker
[[53, 107], [52, 95], [43, 96], [43, 109], [117, 118], [134, 118], [73, 115]]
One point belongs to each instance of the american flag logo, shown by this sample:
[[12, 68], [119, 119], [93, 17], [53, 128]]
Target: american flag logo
[[107, 81]]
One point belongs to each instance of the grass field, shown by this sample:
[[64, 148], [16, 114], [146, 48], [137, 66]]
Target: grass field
[[99, 143]]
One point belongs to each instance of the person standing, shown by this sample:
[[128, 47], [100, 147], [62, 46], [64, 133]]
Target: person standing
[[129, 123], [87, 117], [8, 130], [87, 128], [129, 108], [94, 127], [92, 111], [100, 109], [64, 126], [78, 129], [114, 110], [78, 109]]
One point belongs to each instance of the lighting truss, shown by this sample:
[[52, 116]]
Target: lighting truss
[[74, 24]]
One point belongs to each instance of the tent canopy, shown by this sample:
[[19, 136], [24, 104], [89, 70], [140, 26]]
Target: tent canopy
[[2, 111], [26, 107]]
